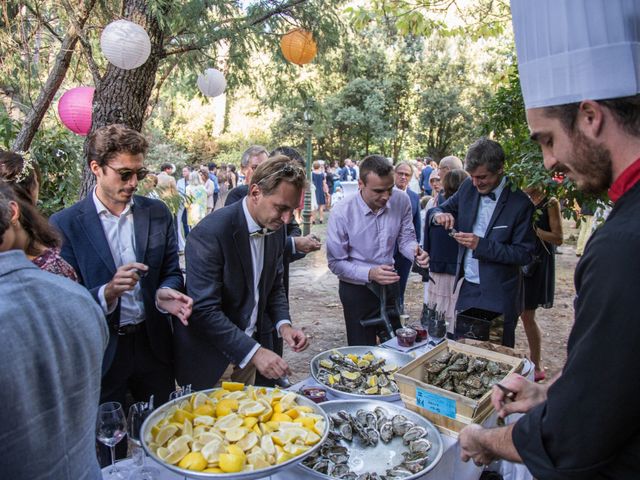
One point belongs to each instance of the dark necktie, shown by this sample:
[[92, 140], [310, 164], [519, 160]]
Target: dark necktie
[[491, 195]]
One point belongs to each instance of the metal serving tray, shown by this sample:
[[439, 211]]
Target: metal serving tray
[[157, 414], [383, 456], [391, 356]]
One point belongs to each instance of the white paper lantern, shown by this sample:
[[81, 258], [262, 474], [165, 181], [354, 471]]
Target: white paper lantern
[[212, 83], [125, 44]]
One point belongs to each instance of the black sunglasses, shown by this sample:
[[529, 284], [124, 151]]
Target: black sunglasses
[[127, 173]]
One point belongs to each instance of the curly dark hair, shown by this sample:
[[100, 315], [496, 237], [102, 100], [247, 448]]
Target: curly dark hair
[[23, 184], [108, 141]]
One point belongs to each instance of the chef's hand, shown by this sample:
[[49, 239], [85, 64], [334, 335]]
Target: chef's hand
[[445, 219], [176, 303], [294, 337], [384, 275], [269, 364], [528, 395], [307, 244], [471, 446], [422, 257], [467, 240]]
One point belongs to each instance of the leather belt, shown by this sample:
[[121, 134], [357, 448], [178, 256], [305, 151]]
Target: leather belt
[[129, 329]]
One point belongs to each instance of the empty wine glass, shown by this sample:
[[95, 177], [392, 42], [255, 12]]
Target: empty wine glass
[[138, 412], [111, 427]]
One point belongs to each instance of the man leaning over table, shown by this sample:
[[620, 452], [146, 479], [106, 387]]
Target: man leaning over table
[[585, 424], [123, 247], [234, 274], [363, 232]]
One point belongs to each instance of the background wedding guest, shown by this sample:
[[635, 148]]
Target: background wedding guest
[[31, 231], [318, 178], [540, 274], [209, 187], [443, 257], [51, 347], [196, 201]]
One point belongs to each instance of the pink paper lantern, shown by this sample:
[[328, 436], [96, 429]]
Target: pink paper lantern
[[75, 109]]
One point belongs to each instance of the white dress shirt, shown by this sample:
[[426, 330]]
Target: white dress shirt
[[121, 239], [485, 211], [256, 242]]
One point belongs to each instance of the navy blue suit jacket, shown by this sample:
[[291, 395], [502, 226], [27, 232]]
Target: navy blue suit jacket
[[220, 281], [508, 244], [85, 247]]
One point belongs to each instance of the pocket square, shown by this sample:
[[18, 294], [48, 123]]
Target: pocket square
[[500, 226]]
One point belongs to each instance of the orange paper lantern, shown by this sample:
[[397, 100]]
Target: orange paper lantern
[[298, 46]]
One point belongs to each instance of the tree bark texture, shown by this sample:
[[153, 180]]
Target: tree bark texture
[[54, 80], [123, 95]]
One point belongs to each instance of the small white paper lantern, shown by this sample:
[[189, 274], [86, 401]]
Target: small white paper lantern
[[212, 83], [125, 44]]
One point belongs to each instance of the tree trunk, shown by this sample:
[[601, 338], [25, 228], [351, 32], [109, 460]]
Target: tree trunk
[[54, 80], [123, 95]]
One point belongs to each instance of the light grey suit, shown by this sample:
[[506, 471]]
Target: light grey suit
[[52, 339]]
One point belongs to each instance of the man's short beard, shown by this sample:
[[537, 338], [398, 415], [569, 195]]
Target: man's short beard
[[592, 164]]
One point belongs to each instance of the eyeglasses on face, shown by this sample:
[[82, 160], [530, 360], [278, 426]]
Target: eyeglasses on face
[[127, 173]]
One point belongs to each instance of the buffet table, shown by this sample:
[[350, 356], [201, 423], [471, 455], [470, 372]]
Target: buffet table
[[450, 466]]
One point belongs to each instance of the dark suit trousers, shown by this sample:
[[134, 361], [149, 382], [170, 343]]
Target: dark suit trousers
[[360, 303], [470, 297], [403, 266], [135, 370]]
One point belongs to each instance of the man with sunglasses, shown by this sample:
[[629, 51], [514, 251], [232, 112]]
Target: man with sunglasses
[[123, 247], [234, 272]]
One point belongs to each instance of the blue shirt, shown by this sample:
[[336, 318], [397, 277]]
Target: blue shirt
[[216, 187], [424, 179], [483, 217]]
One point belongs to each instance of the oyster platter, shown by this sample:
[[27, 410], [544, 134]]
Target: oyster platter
[[359, 372], [372, 440], [234, 432]]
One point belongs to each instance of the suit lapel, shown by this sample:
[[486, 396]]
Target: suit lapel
[[241, 241], [92, 227], [500, 204], [141, 229]]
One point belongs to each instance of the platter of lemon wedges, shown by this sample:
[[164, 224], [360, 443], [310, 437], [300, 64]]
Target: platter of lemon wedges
[[236, 431]]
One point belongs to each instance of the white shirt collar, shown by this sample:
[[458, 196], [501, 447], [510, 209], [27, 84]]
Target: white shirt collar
[[251, 223], [498, 190], [100, 208]]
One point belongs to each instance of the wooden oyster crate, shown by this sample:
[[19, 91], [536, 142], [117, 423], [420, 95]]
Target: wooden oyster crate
[[449, 411]]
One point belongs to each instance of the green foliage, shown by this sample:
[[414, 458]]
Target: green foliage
[[58, 153]]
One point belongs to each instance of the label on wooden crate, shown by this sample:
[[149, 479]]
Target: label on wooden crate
[[435, 403]]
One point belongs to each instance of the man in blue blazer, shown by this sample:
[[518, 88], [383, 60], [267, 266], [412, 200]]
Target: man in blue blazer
[[123, 247], [234, 275], [495, 237]]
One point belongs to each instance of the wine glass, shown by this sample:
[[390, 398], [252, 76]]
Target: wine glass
[[111, 427], [138, 412]]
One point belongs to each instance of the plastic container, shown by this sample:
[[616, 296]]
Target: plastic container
[[421, 332], [316, 394]]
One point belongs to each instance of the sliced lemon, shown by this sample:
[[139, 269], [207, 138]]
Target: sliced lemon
[[266, 443], [233, 386], [284, 457], [249, 422], [180, 443], [295, 449], [230, 463], [306, 422], [193, 461], [351, 375], [175, 456], [288, 401], [235, 434], [218, 394], [187, 428], [281, 417], [304, 409], [293, 413], [257, 460], [236, 450], [181, 415], [165, 434], [319, 427], [226, 406], [252, 409], [247, 442], [199, 399], [206, 409], [257, 430], [212, 450], [203, 420], [312, 438], [229, 421]]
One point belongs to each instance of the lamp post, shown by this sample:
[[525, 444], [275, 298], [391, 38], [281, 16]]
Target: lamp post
[[306, 212]]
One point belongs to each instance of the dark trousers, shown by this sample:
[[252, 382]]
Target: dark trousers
[[470, 296], [361, 303], [215, 198], [185, 225], [135, 374], [403, 266]]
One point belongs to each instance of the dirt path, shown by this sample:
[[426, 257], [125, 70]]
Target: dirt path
[[316, 308]]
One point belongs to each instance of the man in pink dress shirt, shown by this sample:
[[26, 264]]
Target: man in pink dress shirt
[[363, 232]]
